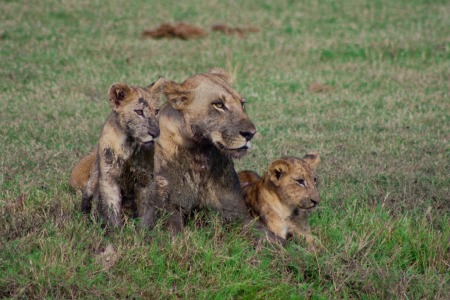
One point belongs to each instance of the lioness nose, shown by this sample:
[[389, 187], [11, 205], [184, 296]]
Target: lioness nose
[[154, 132], [248, 134]]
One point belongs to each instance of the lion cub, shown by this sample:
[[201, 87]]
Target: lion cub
[[122, 165], [284, 196]]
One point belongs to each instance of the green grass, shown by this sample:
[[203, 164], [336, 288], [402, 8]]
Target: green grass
[[382, 128]]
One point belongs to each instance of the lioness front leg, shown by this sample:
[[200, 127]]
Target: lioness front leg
[[150, 199], [176, 220], [110, 200]]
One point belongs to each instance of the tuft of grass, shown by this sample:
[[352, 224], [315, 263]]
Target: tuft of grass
[[364, 83]]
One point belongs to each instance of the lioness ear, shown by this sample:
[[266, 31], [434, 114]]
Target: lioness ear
[[221, 73], [117, 92], [313, 159], [157, 88], [177, 96], [277, 169]]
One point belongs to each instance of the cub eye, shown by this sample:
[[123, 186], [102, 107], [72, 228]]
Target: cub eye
[[301, 182], [219, 105], [315, 180], [156, 112], [139, 112]]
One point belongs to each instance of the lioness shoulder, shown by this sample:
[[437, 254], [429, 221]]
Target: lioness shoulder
[[283, 197], [121, 167]]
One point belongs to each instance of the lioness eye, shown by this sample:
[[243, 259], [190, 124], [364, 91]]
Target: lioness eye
[[139, 112], [219, 105], [156, 112], [301, 182]]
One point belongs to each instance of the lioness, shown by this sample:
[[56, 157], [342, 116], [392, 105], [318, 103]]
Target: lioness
[[123, 164], [284, 196], [203, 127]]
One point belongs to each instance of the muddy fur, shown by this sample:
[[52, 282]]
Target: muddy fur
[[122, 172]]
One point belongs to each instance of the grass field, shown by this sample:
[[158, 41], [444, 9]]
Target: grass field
[[365, 83]]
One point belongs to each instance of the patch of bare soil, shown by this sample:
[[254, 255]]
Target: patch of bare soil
[[180, 30], [316, 87], [241, 31]]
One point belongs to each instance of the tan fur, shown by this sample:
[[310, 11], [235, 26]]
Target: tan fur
[[203, 127], [122, 168], [284, 196], [80, 173]]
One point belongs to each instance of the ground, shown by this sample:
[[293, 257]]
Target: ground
[[365, 83]]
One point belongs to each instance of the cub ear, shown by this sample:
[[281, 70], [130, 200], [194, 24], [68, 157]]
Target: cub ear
[[177, 96], [117, 93], [221, 73], [277, 169], [157, 88], [312, 159]]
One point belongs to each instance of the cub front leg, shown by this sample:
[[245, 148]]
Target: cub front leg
[[300, 230], [275, 223], [233, 208], [110, 201]]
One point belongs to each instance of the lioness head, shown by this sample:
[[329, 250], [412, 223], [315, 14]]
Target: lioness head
[[212, 112], [294, 181], [136, 109]]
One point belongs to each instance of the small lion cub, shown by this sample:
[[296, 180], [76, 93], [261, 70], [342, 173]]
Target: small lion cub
[[284, 196], [121, 167]]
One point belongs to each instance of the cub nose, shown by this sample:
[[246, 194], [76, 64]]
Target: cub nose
[[248, 135]]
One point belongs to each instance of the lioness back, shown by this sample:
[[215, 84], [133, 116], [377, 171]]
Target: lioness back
[[80, 173], [284, 196], [121, 168]]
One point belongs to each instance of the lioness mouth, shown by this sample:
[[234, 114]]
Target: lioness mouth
[[245, 147]]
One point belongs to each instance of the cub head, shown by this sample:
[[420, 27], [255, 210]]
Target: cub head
[[212, 112], [136, 109], [294, 181]]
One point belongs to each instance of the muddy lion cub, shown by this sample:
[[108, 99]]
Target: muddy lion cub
[[284, 196], [121, 167]]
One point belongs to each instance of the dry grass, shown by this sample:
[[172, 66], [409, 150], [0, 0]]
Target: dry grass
[[379, 118]]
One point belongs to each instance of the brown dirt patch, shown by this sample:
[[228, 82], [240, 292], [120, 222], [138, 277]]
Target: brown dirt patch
[[241, 31], [180, 30]]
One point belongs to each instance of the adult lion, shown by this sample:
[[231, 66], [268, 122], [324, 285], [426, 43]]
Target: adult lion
[[203, 127]]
